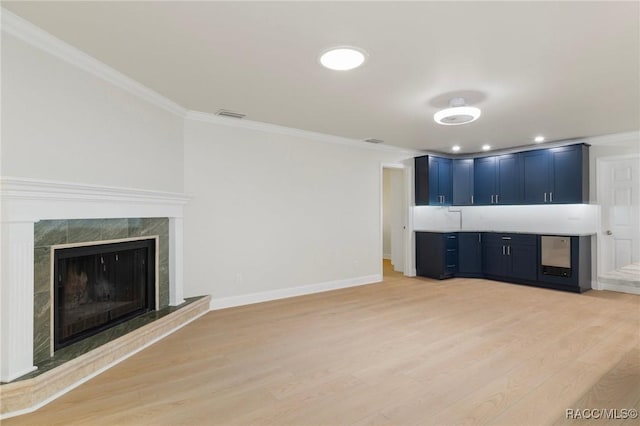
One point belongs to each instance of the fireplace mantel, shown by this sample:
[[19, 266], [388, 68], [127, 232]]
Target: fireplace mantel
[[27, 201]]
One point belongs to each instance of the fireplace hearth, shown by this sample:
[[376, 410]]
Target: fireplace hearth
[[98, 286]]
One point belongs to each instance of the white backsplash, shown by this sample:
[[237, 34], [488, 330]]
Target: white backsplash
[[568, 219]]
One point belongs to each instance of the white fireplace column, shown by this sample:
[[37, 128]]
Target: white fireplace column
[[16, 300], [176, 296]]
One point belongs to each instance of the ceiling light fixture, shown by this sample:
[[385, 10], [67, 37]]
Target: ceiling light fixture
[[457, 113], [486, 147], [455, 148], [343, 58], [539, 139]]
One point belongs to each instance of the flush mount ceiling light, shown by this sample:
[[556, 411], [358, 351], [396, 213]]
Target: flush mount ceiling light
[[343, 58], [455, 148], [486, 147], [457, 113], [539, 139]]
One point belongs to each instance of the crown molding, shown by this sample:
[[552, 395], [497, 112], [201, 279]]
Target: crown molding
[[290, 131], [36, 37], [35, 189], [614, 138]]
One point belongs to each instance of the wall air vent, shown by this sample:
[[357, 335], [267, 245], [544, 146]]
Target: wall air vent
[[232, 114], [374, 140]]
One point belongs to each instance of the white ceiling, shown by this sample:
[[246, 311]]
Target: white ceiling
[[561, 69]]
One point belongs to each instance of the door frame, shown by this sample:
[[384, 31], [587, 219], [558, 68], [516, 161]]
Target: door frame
[[599, 178], [407, 255]]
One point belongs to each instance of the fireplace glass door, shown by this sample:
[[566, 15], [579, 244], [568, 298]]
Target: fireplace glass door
[[100, 286]]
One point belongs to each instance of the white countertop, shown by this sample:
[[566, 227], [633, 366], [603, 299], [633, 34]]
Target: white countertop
[[563, 234]]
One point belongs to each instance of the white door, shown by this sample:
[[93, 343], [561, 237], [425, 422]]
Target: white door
[[397, 209], [619, 196]]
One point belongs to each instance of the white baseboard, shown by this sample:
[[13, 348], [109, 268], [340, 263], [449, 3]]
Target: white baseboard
[[265, 296], [622, 288]]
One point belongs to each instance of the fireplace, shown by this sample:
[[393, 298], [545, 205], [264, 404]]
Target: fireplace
[[98, 286]]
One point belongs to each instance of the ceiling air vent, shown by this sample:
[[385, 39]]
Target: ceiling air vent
[[232, 114], [374, 140]]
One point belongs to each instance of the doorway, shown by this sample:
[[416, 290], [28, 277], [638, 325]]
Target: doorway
[[619, 240], [393, 220]]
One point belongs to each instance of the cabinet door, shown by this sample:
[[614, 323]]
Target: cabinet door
[[484, 179], [522, 262], [470, 253], [567, 173], [508, 179], [536, 176], [421, 170], [439, 181], [462, 182], [430, 254], [493, 258], [445, 180]]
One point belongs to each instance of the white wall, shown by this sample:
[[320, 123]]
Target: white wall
[[276, 211], [62, 123]]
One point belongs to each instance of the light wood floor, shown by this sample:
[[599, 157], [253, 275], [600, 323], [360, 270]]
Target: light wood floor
[[406, 351]]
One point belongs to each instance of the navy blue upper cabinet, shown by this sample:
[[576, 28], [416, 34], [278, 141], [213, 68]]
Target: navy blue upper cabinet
[[508, 179], [556, 175], [462, 182], [570, 171], [497, 180], [484, 180], [421, 171], [433, 181], [542, 176], [536, 176]]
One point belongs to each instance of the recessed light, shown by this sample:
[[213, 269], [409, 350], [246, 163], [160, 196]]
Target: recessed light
[[343, 58], [457, 113], [539, 139], [455, 148], [486, 147]]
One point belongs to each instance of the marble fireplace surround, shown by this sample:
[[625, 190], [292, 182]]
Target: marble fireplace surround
[[26, 202]]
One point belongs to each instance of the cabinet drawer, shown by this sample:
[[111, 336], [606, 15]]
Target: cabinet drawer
[[510, 239], [450, 241]]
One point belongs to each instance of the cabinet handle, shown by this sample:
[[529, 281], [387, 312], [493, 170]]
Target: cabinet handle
[[472, 199], [479, 238], [508, 250], [452, 237], [551, 197], [503, 250], [496, 198], [492, 199], [545, 197]]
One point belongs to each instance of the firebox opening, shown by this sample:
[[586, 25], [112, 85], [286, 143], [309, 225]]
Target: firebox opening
[[99, 286]]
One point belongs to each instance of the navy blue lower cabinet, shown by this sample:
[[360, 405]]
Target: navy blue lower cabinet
[[523, 260], [511, 257], [436, 254], [469, 255]]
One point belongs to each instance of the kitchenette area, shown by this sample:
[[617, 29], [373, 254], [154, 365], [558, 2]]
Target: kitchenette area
[[520, 217]]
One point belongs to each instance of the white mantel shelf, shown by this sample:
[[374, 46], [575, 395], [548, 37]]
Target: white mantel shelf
[[22, 201], [27, 201]]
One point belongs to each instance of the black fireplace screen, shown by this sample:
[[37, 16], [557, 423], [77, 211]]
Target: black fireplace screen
[[100, 286]]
